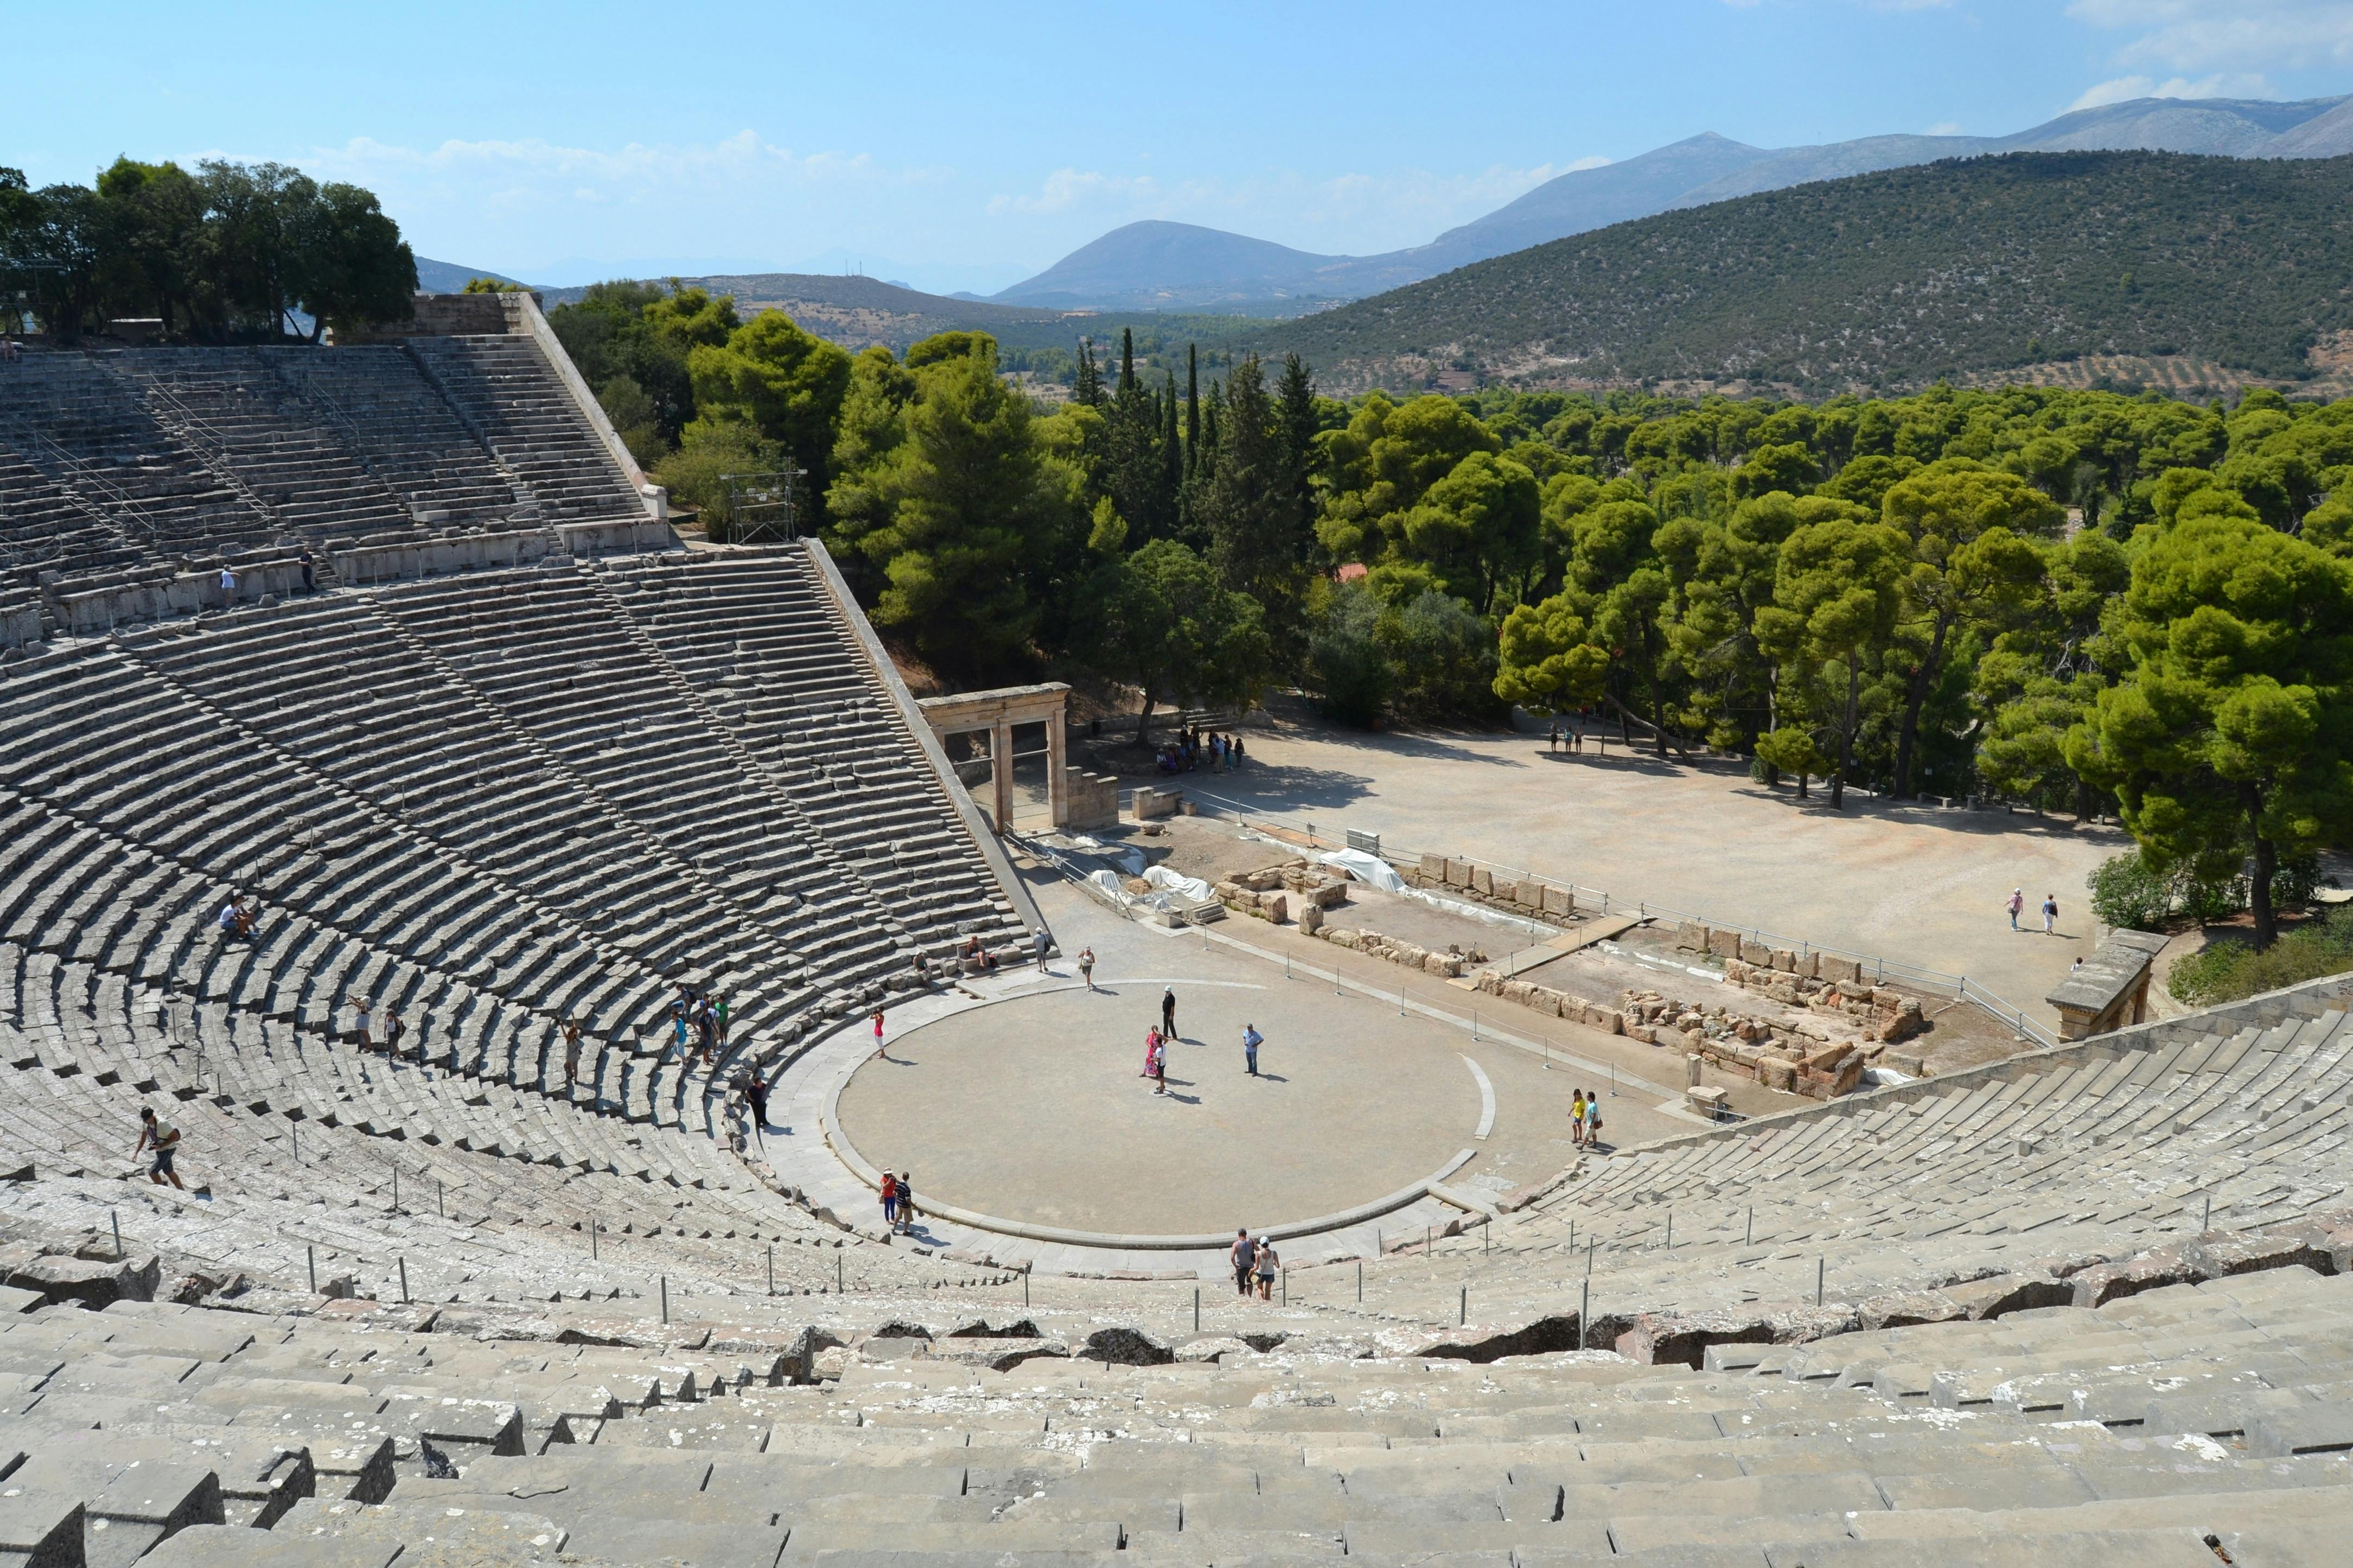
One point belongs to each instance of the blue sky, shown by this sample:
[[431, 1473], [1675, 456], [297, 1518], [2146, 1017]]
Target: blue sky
[[968, 145]]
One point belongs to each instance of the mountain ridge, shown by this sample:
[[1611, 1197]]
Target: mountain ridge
[[1697, 170]]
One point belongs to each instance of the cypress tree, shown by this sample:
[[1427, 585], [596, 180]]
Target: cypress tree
[[1089, 386], [1171, 452], [1192, 407], [1294, 421]]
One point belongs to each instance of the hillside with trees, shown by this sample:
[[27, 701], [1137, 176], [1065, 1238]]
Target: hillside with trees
[[2087, 601], [1959, 269]]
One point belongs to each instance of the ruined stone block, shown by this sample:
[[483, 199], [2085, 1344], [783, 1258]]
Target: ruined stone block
[[1785, 961], [1691, 936], [1311, 918], [1774, 1070], [1441, 964], [1845, 971], [1559, 901], [1458, 874], [1433, 868], [2005, 1293], [1274, 906], [1482, 881], [1528, 894], [2106, 1282], [1756, 954], [1724, 944]]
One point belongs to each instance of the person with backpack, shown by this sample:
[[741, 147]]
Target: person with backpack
[[1243, 1255], [906, 1205]]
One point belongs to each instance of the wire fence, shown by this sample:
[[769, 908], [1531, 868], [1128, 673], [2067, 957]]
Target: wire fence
[[1878, 967]]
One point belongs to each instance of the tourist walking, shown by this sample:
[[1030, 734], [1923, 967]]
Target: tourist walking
[[1151, 1047], [1266, 1262], [878, 1034], [1168, 1011], [1555, 737], [1577, 1118], [1251, 1040], [906, 1205], [1592, 1120], [165, 1141], [310, 570], [2049, 914], [229, 584], [364, 1025], [571, 1053], [2017, 903], [1043, 942], [1244, 1258], [1156, 1063], [889, 1201], [755, 1091], [394, 1027], [1087, 966], [719, 1018]]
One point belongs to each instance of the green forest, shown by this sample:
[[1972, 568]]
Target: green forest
[[2085, 600], [224, 254], [1889, 281]]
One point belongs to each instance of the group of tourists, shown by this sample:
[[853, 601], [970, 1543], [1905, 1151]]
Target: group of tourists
[[1584, 1118], [1255, 1261], [1574, 735], [705, 1017], [1156, 1037], [2016, 904], [1191, 749], [898, 1203]]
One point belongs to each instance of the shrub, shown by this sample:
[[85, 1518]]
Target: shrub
[[1347, 661], [2228, 970], [2126, 893]]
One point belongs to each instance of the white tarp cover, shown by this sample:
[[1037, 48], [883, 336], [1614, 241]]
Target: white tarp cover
[[1191, 886], [1365, 868]]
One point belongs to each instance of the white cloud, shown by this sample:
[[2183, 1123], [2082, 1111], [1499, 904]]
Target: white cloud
[[1590, 161], [1352, 213], [2215, 35], [2219, 85], [1945, 128], [532, 169]]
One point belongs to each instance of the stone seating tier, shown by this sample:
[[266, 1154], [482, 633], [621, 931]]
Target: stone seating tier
[[2189, 1426], [143, 455]]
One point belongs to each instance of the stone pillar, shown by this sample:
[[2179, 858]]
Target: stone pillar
[[1000, 771], [1058, 763]]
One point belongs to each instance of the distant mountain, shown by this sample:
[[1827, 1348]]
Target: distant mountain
[[1182, 266], [1187, 263], [1976, 269], [1594, 198], [449, 277]]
